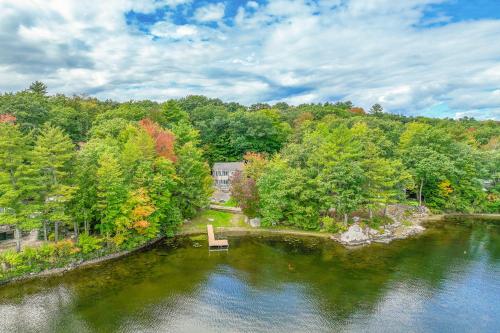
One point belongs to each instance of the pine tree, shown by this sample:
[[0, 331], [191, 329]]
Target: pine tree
[[195, 184], [38, 87], [19, 182], [53, 157], [376, 109], [111, 192]]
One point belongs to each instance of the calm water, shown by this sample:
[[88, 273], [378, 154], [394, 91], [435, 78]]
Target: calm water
[[447, 280]]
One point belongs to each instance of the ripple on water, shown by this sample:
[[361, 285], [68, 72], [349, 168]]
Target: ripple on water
[[445, 280]]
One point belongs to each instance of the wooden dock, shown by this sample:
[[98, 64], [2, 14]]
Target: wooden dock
[[215, 244]]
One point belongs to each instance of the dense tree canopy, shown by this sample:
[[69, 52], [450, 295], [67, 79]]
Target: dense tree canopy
[[131, 171]]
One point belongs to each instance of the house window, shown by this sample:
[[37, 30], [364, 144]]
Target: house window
[[6, 236]]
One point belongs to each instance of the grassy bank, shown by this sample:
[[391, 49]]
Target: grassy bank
[[216, 218], [235, 223]]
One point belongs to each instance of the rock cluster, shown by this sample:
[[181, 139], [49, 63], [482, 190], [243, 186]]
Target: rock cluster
[[406, 223]]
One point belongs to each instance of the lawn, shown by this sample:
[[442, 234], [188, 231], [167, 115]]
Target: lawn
[[220, 219], [230, 203]]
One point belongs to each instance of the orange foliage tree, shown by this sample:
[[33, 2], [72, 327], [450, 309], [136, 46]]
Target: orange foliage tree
[[7, 118], [357, 110], [136, 219], [164, 139]]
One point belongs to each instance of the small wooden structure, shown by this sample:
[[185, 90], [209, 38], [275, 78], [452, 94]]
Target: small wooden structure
[[215, 244]]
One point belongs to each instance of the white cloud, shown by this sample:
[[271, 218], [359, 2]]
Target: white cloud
[[175, 3], [253, 4], [169, 30], [367, 51], [210, 13]]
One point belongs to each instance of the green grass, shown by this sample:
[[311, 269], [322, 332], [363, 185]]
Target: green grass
[[220, 219], [230, 203]]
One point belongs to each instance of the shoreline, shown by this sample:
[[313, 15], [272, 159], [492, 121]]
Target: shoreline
[[234, 231], [81, 264], [479, 216], [243, 230]]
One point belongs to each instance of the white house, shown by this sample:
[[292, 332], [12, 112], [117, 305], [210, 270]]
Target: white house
[[222, 173]]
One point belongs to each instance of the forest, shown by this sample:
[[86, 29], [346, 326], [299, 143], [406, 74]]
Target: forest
[[118, 175]]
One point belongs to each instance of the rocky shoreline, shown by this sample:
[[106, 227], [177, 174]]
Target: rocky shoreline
[[407, 222], [78, 264]]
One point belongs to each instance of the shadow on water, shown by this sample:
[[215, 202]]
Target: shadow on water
[[279, 283]]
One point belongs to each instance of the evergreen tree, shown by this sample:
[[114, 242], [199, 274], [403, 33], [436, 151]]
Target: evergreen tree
[[111, 192], [195, 183], [38, 87], [376, 109], [19, 182], [53, 157]]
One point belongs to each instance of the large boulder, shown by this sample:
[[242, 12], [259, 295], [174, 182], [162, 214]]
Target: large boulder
[[354, 236]]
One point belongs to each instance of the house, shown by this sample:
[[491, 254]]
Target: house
[[6, 232], [222, 173]]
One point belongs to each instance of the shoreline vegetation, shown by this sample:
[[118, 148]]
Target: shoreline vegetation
[[237, 230], [94, 177]]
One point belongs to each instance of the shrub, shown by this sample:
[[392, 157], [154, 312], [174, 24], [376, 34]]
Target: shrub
[[378, 221], [330, 225], [89, 244]]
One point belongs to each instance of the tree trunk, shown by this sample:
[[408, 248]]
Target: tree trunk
[[85, 223], [75, 230], [56, 231], [420, 192], [346, 219], [45, 237], [370, 211], [385, 210], [17, 236]]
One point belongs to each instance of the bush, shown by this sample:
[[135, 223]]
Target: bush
[[89, 244], [378, 221], [36, 259], [329, 224]]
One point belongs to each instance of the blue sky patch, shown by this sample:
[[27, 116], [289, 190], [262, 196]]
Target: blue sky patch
[[295, 51]]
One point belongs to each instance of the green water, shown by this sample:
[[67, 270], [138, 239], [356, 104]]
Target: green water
[[447, 280]]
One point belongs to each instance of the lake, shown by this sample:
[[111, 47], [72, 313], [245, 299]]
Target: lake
[[446, 280]]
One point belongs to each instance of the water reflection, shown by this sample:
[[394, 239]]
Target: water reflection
[[447, 279]]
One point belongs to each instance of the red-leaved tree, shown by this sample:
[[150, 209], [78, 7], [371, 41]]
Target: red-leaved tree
[[244, 183], [244, 191], [164, 139], [7, 118]]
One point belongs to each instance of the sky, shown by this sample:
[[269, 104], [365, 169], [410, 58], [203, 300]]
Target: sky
[[438, 58]]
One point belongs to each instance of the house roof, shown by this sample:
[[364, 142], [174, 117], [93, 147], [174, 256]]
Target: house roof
[[229, 166]]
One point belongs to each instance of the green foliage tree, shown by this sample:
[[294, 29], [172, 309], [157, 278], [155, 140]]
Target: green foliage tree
[[287, 196], [19, 182], [53, 157], [376, 109], [194, 185], [38, 87], [111, 192], [30, 109]]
